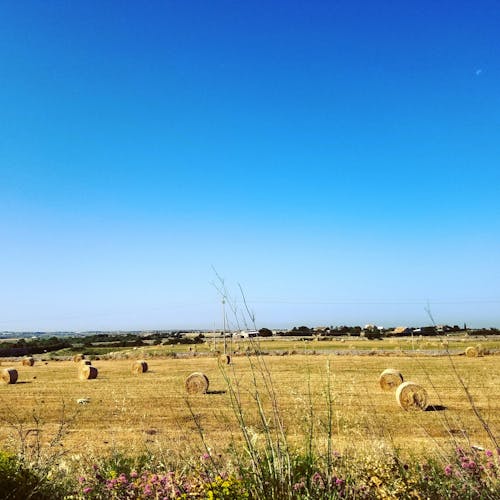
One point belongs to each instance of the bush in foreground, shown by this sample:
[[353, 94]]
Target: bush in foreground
[[19, 481]]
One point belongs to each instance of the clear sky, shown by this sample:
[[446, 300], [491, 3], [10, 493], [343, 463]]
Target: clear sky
[[340, 160]]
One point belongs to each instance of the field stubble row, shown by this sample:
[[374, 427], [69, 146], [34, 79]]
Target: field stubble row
[[152, 410]]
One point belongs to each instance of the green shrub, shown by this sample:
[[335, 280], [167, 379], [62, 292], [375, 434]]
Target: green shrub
[[18, 482]]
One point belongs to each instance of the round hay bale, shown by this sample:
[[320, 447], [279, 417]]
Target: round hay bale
[[87, 372], [29, 361], [390, 379], [85, 362], [78, 357], [411, 396], [197, 383], [471, 352], [139, 366], [9, 375], [225, 359]]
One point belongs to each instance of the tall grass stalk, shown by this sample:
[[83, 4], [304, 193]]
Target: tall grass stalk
[[473, 406]]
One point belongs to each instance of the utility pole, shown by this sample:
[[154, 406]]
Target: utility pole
[[224, 323]]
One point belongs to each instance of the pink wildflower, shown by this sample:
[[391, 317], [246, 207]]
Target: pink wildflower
[[316, 477], [298, 486]]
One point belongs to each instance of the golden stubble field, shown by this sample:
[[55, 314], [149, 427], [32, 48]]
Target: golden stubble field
[[132, 413]]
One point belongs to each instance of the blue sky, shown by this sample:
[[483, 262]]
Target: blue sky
[[340, 160]]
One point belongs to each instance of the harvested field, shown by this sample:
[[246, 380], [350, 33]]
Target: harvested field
[[130, 413]]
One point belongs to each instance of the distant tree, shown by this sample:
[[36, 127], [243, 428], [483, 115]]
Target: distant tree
[[302, 328], [303, 331], [265, 332]]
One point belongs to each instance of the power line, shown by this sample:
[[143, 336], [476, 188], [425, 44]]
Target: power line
[[372, 302]]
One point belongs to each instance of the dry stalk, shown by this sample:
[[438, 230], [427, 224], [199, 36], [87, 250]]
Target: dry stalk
[[473, 406]]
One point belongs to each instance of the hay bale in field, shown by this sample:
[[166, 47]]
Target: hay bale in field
[[390, 379], [480, 350], [471, 352], [28, 361], [197, 383], [411, 396], [139, 366], [9, 375], [87, 372], [225, 359], [78, 357]]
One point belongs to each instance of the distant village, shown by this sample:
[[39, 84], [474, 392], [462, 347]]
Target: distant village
[[369, 330]]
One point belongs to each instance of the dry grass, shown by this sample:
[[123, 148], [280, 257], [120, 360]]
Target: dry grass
[[130, 413]]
